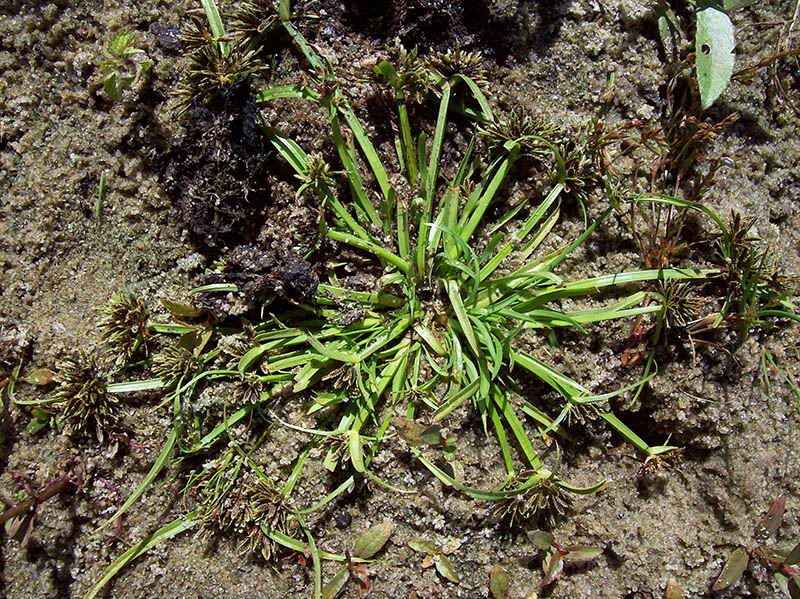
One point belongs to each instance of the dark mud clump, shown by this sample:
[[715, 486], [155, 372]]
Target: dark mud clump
[[217, 173], [501, 27]]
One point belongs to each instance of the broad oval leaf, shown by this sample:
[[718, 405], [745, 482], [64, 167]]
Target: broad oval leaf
[[541, 539], [794, 587], [772, 520], [432, 435], [356, 455], [499, 584], [714, 57], [40, 377], [730, 5], [372, 540], [793, 558], [409, 431], [423, 546], [732, 570], [581, 553], [180, 310], [445, 568]]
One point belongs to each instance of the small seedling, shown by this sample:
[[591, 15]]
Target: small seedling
[[366, 547], [124, 65], [436, 555], [20, 518], [673, 590], [784, 566], [555, 556], [419, 435]]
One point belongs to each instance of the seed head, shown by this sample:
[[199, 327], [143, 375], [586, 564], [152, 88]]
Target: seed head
[[82, 398], [124, 326], [174, 364]]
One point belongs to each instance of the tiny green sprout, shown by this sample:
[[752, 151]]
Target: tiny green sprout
[[124, 65], [123, 326], [368, 544], [436, 555], [784, 566], [40, 419], [555, 556], [81, 398]]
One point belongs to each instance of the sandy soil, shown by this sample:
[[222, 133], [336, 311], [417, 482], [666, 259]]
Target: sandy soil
[[62, 260]]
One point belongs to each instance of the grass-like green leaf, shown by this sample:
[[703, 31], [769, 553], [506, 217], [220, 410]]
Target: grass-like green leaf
[[372, 540], [168, 531], [732, 570]]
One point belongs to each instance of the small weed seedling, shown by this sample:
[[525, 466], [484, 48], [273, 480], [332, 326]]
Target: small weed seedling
[[436, 555], [124, 66], [499, 583], [764, 561], [19, 518], [366, 547], [555, 556]]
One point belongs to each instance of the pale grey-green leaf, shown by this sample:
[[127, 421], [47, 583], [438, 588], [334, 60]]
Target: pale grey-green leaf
[[714, 46]]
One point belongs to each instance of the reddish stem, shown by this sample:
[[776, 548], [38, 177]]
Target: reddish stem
[[52, 489]]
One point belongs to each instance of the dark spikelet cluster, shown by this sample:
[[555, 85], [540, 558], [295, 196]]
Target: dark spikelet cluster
[[681, 304], [318, 174], [460, 62], [410, 77], [254, 18], [216, 65], [123, 326], [174, 364], [81, 396], [251, 511], [518, 126], [544, 500], [266, 510]]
